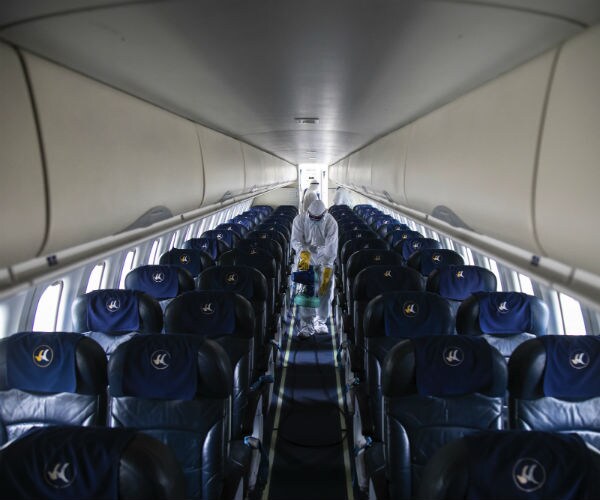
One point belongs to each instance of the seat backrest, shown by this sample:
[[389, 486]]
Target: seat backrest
[[252, 285], [456, 283], [161, 282], [504, 319], [427, 260], [193, 261], [263, 262], [554, 385], [437, 389], [384, 230], [228, 319], [396, 238], [176, 388], [512, 464], [112, 316], [364, 258], [228, 238], [412, 245], [272, 247], [368, 284], [238, 229], [209, 246], [49, 379], [390, 318], [352, 246], [84, 462]]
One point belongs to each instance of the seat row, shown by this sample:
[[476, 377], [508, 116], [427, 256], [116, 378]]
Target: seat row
[[213, 368]]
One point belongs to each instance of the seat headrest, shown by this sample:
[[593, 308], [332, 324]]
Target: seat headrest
[[210, 313], [399, 237], [244, 280], [41, 362], [427, 260], [108, 310], [193, 261], [375, 280], [160, 282], [511, 312], [223, 235], [459, 282], [64, 462], [412, 245], [207, 245], [409, 315], [370, 257], [178, 367]]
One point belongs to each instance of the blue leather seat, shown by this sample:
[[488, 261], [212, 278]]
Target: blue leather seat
[[397, 238], [504, 319], [161, 282], [113, 316], [84, 462], [368, 284], [436, 389], [553, 384], [457, 283], [193, 261], [228, 319], [226, 239], [389, 318], [176, 388], [409, 246], [209, 246], [49, 379], [386, 229], [512, 464], [238, 229], [427, 260]]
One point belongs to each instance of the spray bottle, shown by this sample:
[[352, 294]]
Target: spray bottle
[[307, 287]]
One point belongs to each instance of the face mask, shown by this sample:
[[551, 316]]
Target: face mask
[[316, 217]]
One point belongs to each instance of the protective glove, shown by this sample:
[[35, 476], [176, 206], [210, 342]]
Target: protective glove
[[325, 280], [304, 262]]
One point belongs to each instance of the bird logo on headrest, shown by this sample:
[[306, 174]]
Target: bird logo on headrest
[[59, 475], [460, 274], [453, 356], [436, 257], [231, 278], [113, 304], [160, 359], [579, 360], [528, 474], [503, 307], [207, 308], [377, 258], [410, 309], [219, 236], [387, 274], [43, 356], [416, 244], [158, 277], [184, 259]]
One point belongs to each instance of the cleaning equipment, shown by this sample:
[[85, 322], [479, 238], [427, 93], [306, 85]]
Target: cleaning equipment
[[307, 287]]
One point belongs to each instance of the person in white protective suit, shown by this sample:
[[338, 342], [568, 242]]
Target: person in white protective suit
[[311, 193], [315, 239], [342, 197]]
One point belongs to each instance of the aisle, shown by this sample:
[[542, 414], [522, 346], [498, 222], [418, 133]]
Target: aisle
[[309, 445]]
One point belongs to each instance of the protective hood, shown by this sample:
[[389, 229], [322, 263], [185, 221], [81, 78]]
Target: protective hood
[[316, 208]]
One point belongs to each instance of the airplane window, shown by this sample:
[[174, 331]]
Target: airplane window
[[3, 320], [493, 266], [153, 257], [469, 256], [201, 228], [174, 240], [434, 235], [526, 285], [95, 281], [448, 243], [571, 315], [189, 232], [46, 313], [127, 265]]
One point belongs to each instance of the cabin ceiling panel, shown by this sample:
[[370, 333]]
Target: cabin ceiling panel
[[248, 68]]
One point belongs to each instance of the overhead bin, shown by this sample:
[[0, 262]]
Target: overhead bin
[[566, 201], [389, 165], [23, 221], [109, 157]]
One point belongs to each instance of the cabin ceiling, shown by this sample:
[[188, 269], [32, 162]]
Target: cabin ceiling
[[364, 68]]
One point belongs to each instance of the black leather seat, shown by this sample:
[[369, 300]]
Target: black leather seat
[[389, 318], [436, 389], [228, 319], [113, 316], [512, 464], [49, 379], [209, 246], [176, 388], [554, 386], [83, 462], [504, 319]]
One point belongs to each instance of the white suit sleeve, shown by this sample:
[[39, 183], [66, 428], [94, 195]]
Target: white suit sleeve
[[327, 253], [297, 237]]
